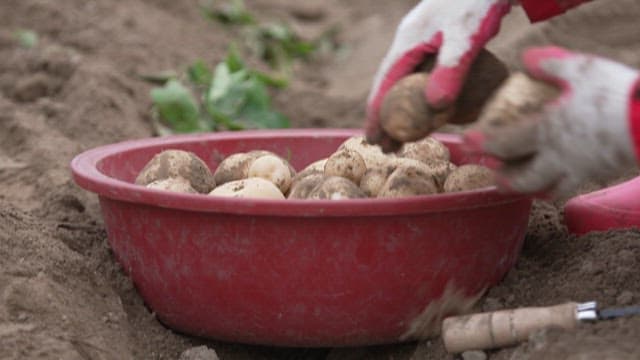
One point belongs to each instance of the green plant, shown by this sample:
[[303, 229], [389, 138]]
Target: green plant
[[275, 43], [278, 45], [26, 38], [231, 97], [232, 12]]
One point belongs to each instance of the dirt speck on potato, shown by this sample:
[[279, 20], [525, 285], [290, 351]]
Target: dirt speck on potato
[[178, 163]]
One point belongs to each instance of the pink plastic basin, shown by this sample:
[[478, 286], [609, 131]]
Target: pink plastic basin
[[296, 272]]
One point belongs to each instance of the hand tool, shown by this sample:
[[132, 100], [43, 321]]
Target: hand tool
[[508, 327]]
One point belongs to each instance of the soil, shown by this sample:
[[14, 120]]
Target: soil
[[62, 294]]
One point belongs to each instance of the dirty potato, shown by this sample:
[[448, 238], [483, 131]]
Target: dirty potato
[[346, 163], [236, 166], [336, 188], [405, 115], [371, 154], [178, 163], [248, 188], [301, 188], [317, 167], [408, 181], [438, 170], [175, 184], [425, 150], [373, 179], [469, 177]]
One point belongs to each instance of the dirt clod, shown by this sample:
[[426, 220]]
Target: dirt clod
[[199, 353]]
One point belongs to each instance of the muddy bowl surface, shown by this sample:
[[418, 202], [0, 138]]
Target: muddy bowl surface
[[299, 272]]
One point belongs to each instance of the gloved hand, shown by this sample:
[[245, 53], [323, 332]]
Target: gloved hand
[[586, 133], [455, 31]]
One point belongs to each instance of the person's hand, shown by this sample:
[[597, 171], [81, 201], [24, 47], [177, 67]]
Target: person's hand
[[454, 30], [584, 134]]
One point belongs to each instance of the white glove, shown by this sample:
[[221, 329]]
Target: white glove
[[455, 30], [584, 134]]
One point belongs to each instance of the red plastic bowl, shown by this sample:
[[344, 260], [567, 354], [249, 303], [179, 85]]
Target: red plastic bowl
[[296, 272], [614, 207]]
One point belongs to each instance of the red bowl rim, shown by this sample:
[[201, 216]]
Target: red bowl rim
[[86, 175]]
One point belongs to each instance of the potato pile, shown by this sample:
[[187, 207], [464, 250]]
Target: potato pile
[[355, 170]]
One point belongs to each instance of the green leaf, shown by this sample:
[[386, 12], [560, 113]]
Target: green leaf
[[230, 13], [233, 97], [221, 82], [26, 38], [240, 100], [233, 60], [271, 80], [278, 45], [264, 118], [199, 73], [176, 106]]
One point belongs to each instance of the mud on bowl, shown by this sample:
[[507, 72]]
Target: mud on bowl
[[299, 272]]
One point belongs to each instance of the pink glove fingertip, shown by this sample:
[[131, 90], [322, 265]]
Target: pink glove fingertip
[[444, 85], [533, 59], [473, 142]]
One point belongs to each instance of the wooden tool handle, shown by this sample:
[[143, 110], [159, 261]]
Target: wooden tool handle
[[504, 328]]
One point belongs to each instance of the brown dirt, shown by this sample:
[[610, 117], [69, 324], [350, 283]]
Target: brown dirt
[[63, 296]]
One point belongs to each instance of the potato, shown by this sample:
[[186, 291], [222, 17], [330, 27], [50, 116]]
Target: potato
[[336, 188], [301, 188], [405, 115], [346, 163], [373, 179], [425, 150], [274, 169], [469, 177], [236, 166], [438, 170], [178, 163], [248, 188], [406, 162], [175, 184], [317, 167], [371, 154], [408, 181]]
